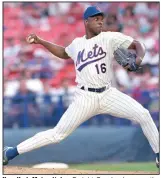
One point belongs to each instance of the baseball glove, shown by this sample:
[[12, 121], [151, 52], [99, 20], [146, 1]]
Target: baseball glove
[[126, 58]]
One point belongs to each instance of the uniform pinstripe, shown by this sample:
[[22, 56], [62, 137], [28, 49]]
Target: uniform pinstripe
[[79, 111], [121, 105], [89, 55]]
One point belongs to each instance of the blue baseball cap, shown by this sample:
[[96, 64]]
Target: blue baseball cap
[[92, 11]]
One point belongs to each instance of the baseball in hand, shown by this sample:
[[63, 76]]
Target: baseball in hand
[[30, 40]]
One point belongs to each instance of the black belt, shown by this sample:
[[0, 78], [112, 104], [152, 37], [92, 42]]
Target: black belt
[[98, 90]]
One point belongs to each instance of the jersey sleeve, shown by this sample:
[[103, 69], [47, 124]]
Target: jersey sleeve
[[120, 40], [70, 49]]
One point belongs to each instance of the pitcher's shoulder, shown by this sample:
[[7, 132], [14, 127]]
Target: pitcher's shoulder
[[107, 35]]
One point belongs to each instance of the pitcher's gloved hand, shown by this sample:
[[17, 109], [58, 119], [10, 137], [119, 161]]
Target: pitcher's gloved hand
[[126, 59]]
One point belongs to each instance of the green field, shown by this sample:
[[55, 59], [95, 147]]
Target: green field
[[150, 166]]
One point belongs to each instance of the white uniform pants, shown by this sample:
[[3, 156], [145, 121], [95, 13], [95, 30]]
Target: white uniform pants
[[87, 104]]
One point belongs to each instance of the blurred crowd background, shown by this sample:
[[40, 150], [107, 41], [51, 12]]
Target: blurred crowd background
[[38, 87]]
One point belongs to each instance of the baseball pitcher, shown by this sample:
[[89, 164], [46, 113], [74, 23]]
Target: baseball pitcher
[[92, 55]]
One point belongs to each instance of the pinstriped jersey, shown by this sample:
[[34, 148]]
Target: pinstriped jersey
[[93, 57]]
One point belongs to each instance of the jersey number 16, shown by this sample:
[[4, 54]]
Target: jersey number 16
[[101, 68]]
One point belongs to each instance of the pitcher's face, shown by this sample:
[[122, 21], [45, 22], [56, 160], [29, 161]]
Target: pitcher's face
[[95, 24]]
